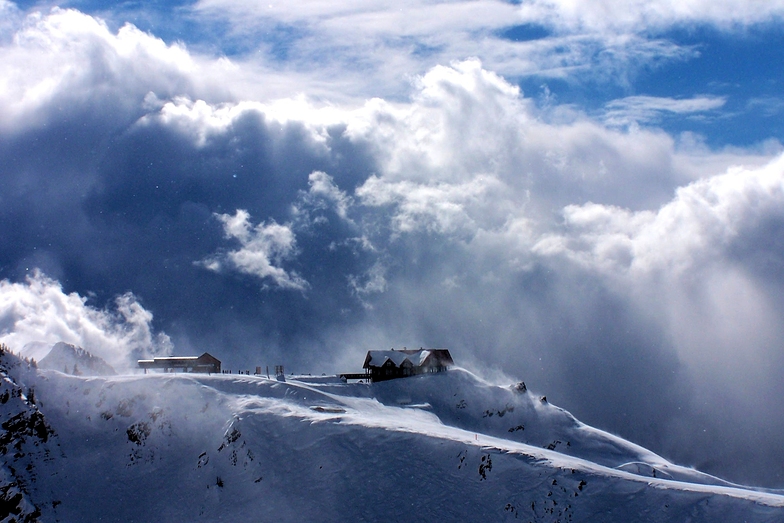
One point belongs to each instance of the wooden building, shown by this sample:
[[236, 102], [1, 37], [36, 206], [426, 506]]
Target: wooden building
[[204, 363], [381, 365]]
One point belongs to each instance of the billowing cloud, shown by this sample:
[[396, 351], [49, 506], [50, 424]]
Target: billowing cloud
[[262, 249], [699, 226], [38, 311], [66, 58], [478, 154]]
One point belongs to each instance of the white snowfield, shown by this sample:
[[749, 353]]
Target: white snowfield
[[444, 447]]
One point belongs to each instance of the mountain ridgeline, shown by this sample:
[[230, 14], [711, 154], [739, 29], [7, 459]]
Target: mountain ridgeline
[[441, 447]]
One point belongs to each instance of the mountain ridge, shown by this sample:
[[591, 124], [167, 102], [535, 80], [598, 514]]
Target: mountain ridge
[[185, 447], [65, 356]]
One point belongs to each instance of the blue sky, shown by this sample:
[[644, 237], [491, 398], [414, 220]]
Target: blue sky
[[584, 196]]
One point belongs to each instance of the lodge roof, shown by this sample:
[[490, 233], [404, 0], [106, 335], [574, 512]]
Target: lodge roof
[[416, 357]]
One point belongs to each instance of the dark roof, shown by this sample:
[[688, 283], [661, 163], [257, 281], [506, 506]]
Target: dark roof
[[416, 357]]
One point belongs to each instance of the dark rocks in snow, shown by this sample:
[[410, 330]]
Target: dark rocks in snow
[[485, 466], [499, 413], [138, 432], [462, 455], [24, 442], [75, 360], [21, 426], [203, 460], [15, 506], [552, 445]]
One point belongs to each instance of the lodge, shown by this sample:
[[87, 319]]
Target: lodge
[[382, 365], [205, 363]]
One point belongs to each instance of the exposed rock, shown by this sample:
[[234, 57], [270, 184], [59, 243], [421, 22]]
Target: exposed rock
[[24, 443]]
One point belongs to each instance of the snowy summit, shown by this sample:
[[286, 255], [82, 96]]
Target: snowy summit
[[437, 447]]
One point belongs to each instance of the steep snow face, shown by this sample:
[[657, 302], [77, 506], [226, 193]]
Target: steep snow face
[[447, 447], [71, 359]]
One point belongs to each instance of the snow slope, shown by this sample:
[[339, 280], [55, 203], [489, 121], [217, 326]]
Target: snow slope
[[447, 447]]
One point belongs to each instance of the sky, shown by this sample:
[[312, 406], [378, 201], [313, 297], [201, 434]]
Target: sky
[[586, 196]]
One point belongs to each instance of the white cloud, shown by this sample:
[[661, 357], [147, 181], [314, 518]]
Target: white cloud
[[341, 52], [53, 63], [39, 311], [368, 19], [768, 105], [443, 208], [696, 227], [67, 57], [641, 15], [338, 53], [322, 188], [371, 49], [374, 46], [373, 281], [263, 248], [200, 121], [365, 49], [648, 109], [471, 153], [407, 18]]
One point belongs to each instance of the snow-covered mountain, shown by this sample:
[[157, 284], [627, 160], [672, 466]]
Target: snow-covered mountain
[[444, 447], [71, 359]]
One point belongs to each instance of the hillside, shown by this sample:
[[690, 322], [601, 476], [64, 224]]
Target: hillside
[[447, 447]]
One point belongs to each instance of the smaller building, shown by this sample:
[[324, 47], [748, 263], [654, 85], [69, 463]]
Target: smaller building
[[205, 363], [381, 365]]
